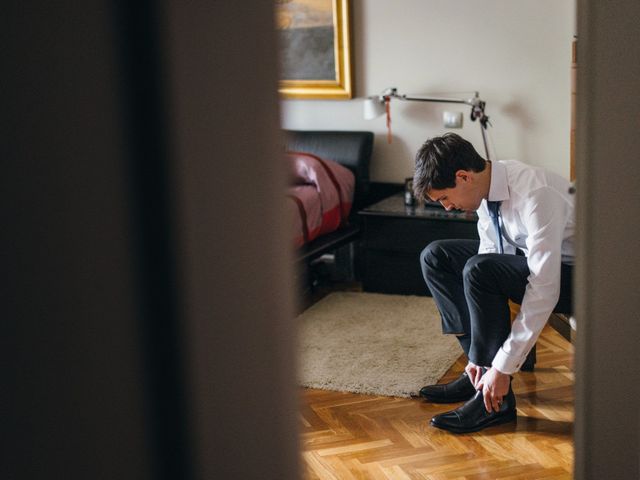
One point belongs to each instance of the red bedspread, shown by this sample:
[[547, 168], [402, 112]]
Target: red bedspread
[[321, 195]]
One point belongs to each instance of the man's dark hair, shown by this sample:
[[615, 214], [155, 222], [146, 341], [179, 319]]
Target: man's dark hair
[[439, 159]]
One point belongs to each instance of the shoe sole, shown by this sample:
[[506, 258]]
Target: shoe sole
[[511, 417]]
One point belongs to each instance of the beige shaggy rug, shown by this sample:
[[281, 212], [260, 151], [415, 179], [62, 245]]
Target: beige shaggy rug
[[375, 344]]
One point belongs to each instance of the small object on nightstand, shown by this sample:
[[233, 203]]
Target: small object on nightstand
[[409, 198]]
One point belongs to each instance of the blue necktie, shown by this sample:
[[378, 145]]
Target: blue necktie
[[494, 211]]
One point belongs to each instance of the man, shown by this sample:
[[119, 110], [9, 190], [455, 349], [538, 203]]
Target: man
[[525, 254]]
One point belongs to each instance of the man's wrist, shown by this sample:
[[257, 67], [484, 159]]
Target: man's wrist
[[505, 363], [499, 372]]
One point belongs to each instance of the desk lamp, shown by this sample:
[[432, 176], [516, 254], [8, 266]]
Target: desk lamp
[[377, 105]]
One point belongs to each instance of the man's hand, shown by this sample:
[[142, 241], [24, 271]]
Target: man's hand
[[494, 385], [474, 372]]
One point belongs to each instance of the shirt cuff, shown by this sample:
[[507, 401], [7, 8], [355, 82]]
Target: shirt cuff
[[505, 363]]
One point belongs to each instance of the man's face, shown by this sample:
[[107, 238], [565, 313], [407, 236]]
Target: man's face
[[464, 196]]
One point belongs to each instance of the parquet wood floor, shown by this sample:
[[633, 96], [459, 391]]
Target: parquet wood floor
[[347, 436]]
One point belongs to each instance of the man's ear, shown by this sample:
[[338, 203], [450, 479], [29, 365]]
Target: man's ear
[[463, 175]]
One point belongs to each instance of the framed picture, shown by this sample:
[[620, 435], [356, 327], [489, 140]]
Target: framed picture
[[315, 55]]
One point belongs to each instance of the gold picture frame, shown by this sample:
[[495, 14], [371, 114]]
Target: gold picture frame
[[315, 49]]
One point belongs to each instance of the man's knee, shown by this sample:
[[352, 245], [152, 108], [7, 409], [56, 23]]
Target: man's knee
[[479, 269], [433, 253]]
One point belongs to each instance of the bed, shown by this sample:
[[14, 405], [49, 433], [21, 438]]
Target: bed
[[329, 183]]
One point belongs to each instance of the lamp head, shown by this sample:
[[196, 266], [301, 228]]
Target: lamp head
[[375, 106]]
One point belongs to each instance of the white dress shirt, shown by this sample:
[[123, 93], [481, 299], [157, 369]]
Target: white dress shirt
[[537, 214]]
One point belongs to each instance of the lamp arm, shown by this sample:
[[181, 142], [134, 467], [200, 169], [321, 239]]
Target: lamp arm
[[393, 93], [477, 107], [434, 99]]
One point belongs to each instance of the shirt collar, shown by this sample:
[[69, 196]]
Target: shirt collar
[[498, 189]]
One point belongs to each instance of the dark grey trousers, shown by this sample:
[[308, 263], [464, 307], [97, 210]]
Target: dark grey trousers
[[472, 293]]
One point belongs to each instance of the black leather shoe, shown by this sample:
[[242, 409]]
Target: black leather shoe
[[459, 390], [473, 416]]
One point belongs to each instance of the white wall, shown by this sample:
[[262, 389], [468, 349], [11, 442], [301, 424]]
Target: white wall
[[516, 53]]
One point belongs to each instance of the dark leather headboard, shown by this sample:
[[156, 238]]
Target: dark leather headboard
[[349, 148]]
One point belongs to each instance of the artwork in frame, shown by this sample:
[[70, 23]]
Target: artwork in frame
[[315, 54]]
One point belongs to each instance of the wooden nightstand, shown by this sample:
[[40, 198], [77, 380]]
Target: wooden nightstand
[[393, 237]]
